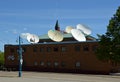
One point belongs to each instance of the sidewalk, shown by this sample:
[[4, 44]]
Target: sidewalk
[[6, 76]]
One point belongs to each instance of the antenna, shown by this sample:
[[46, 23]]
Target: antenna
[[55, 35], [57, 27], [78, 35], [68, 29], [85, 29], [32, 38], [51, 34]]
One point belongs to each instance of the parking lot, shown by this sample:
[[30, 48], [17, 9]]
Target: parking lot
[[6, 76]]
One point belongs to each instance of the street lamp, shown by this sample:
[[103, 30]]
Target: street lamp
[[20, 57]]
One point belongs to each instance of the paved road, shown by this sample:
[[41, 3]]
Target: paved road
[[55, 77]]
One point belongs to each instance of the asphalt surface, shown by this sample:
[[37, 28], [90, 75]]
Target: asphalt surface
[[6, 76]]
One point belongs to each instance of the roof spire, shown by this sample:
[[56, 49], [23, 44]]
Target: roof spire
[[57, 26]]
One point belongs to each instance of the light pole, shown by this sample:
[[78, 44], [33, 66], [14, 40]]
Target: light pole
[[20, 57]]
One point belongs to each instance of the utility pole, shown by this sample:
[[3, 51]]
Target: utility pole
[[20, 57]]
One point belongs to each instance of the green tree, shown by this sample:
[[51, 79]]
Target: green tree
[[109, 44], [1, 58]]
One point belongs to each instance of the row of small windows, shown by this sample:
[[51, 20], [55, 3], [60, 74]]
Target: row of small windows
[[56, 49], [56, 64], [49, 49]]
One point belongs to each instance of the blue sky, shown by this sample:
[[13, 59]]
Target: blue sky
[[39, 16]]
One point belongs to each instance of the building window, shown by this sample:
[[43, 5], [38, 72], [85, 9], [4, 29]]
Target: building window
[[24, 50], [77, 48], [34, 49], [42, 63], [94, 47], [56, 64], [63, 64], [12, 50], [86, 48], [64, 49], [41, 49], [77, 64], [48, 49], [48, 64], [56, 49], [11, 57], [35, 63]]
